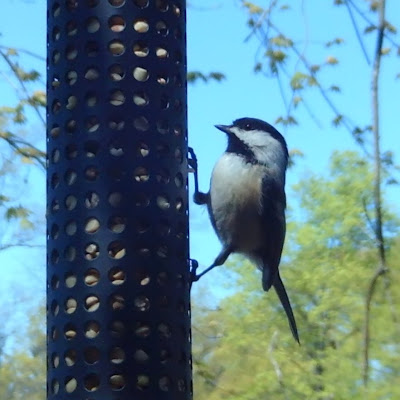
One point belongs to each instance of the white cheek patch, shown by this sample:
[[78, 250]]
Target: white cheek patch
[[251, 138], [266, 149]]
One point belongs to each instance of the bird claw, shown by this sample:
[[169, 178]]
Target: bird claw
[[193, 269], [192, 160]]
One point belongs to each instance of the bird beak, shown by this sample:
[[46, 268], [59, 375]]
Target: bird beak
[[224, 128]]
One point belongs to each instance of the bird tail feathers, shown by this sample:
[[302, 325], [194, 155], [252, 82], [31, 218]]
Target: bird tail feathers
[[283, 297]]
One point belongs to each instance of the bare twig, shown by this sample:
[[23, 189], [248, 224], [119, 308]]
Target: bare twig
[[357, 31], [283, 96], [13, 245], [212, 337], [387, 37], [28, 52]]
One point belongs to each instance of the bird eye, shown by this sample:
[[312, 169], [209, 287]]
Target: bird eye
[[248, 127]]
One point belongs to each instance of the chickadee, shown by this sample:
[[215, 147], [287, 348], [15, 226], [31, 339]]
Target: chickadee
[[247, 201]]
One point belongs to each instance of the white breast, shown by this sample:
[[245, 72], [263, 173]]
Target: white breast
[[236, 201]]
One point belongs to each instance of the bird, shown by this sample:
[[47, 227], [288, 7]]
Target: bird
[[246, 201]]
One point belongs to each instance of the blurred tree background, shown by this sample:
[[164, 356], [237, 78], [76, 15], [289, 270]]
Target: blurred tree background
[[22, 157], [341, 255], [244, 349]]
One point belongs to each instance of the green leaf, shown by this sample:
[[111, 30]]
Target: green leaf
[[297, 80], [392, 181], [334, 88], [300, 79], [315, 68], [258, 67], [332, 60], [387, 158], [252, 8], [336, 41], [3, 199], [391, 28], [38, 98], [217, 76], [26, 224], [297, 100], [374, 5], [370, 29], [16, 213], [194, 76], [337, 120], [12, 52], [281, 41], [286, 121], [294, 154], [276, 56]]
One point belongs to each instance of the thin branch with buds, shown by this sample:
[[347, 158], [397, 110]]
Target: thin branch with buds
[[22, 85]]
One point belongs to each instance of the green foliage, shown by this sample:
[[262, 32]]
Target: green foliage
[[23, 370], [244, 349], [194, 76], [335, 41], [289, 120], [252, 8], [17, 148], [299, 80], [29, 99], [11, 207]]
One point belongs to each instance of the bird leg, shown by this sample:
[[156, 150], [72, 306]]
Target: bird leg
[[202, 198], [198, 197], [221, 258]]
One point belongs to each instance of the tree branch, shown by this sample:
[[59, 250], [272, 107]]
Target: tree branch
[[22, 84], [28, 52], [349, 126], [376, 133], [387, 37], [353, 21], [16, 142], [12, 245], [370, 292], [377, 195], [275, 364]]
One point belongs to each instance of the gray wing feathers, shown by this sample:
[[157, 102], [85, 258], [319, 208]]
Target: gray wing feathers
[[274, 204], [274, 223]]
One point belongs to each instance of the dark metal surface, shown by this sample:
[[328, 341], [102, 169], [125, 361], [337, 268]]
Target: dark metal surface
[[118, 290]]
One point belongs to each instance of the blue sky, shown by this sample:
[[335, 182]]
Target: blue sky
[[216, 42]]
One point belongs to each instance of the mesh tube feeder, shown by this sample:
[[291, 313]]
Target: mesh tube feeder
[[117, 269]]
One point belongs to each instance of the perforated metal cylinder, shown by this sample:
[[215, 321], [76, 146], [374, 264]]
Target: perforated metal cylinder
[[118, 281]]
